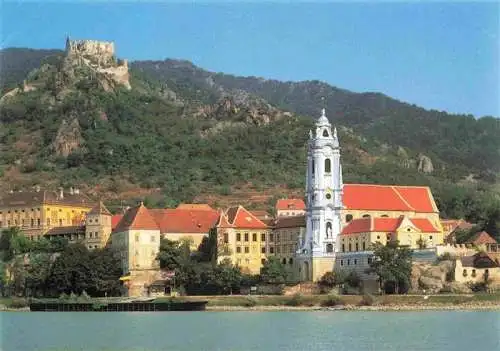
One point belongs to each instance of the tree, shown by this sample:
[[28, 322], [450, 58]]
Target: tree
[[273, 271], [328, 280], [38, 272], [7, 246], [207, 251], [392, 264]]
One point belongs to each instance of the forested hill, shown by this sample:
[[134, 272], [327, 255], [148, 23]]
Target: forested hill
[[185, 134]]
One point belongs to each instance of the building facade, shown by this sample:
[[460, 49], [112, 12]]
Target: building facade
[[290, 208], [37, 212], [243, 239]]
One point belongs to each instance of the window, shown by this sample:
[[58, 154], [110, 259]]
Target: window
[[271, 237], [137, 238], [473, 273], [366, 216], [271, 250], [238, 249], [226, 238], [348, 262], [238, 236], [328, 196], [341, 262], [369, 260], [254, 237], [48, 221], [328, 166], [348, 218], [350, 247], [32, 222], [313, 167], [96, 234], [343, 247], [263, 237], [357, 247], [378, 236], [263, 261], [283, 261], [278, 237], [325, 133], [464, 273], [290, 261], [246, 236], [355, 261], [430, 237], [263, 250], [153, 238], [329, 248], [60, 222], [364, 246], [247, 249]]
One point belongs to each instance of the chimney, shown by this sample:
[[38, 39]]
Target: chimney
[[71, 192], [61, 193]]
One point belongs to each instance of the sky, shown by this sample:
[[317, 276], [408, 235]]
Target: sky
[[442, 56]]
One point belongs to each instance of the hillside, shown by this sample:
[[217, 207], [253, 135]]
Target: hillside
[[170, 131]]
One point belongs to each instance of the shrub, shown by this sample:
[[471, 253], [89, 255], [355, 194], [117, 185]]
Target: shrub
[[84, 296], [295, 300], [18, 303], [368, 300], [332, 300], [63, 296], [250, 302]]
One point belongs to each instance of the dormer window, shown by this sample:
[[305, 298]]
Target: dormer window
[[325, 133]]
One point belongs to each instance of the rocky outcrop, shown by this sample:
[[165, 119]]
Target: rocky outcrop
[[435, 278], [68, 139], [425, 164]]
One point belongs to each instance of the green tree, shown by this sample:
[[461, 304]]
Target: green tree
[[273, 271], [38, 272], [328, 280], [392, 264]]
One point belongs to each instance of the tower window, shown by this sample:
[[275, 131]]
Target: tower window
[[328, 196], [329, 248], [313, 167], [325, 133], [328, 165], [328, 229]]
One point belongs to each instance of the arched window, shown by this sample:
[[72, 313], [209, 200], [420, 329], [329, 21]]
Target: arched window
[[343, 247], [348, 218], [325, 133], [350, 247], [284, 261], [328, 229], [357, 247], [329, 248], [290, 261], [328, 165], [364, 246], [313, 167]]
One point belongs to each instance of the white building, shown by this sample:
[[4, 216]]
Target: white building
[[316, 254]]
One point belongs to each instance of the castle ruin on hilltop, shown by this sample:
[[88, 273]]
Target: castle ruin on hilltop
[[100, 56]]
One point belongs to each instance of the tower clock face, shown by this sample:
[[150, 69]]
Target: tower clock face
[[328, 196]]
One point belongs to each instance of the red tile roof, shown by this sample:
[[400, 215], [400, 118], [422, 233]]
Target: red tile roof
[[137, 218], [290, 204], [366, 225], [388, 198], [115, 220], [481, 238], [239, 217], [261, 214], [184, 220], [197, 207]]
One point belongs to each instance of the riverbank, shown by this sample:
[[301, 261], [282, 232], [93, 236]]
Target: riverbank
[[317, 302]]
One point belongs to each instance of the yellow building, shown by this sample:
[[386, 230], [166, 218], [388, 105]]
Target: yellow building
[[93, 233], [243, 239], [287, 235], [36, 212]]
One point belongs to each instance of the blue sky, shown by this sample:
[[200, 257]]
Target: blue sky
[[440, 56]]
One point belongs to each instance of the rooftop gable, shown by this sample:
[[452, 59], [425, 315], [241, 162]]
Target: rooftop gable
[[370, 224], [290, 204], [481, 238], [186, 220], [239, 217], [137, 218], [100, 209]]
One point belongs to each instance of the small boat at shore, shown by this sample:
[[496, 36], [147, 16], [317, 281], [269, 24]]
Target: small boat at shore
[[335, 308]]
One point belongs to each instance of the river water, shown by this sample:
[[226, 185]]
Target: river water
[[310, 331]]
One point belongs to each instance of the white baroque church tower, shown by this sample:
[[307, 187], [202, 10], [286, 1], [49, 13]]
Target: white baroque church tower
[[323, 202]]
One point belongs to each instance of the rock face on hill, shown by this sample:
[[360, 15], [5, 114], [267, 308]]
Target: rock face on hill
[[68, 139], [436, 278]]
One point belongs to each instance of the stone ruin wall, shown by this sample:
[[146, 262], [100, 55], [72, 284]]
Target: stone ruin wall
[[90, 47]]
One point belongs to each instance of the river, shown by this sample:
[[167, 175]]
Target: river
[[311, 331]]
